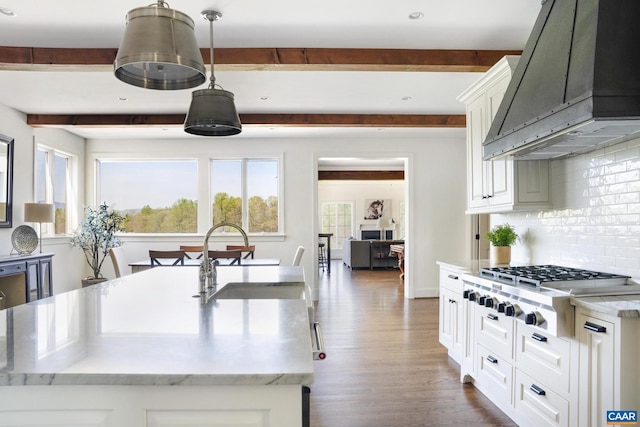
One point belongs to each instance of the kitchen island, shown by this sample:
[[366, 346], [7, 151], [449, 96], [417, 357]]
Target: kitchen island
[[141, 350]]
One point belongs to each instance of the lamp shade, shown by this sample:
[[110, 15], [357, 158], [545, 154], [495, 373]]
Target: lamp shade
[[159, 50], [39, 212], [212, 113]]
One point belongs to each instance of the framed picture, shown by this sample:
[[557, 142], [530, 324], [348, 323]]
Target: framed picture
[[376, 208]]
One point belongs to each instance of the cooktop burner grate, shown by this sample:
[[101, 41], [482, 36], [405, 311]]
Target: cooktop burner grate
[[549, 275]]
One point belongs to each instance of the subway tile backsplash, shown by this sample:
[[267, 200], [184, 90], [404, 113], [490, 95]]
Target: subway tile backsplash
[[595, 222]]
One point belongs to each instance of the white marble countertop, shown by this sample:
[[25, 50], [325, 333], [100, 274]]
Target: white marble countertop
[[617, 306], [148, 329]]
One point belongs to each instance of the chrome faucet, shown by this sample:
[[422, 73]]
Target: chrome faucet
[[208, 272]]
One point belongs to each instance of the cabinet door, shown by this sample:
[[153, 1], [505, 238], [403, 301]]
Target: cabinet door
[[597, 369], [476, 167], [499, 173], [445, 334]]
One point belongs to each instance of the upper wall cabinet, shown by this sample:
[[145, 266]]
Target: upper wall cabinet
[[505, 184]]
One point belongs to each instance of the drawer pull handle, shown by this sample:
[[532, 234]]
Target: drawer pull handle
[[539, 337], [452, 277], [492, 359], [593, 327], [537, 390], [492, 316]]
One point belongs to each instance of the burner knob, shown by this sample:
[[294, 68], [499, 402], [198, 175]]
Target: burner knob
[[501, 306], [466, 293], [472, 296], [512, 310], [482, 299], [534, 318], [491, 302]]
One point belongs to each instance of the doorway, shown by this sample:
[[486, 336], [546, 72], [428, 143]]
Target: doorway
[[355, 182]]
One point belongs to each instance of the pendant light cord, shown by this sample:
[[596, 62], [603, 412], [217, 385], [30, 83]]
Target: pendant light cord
[[213, 77]]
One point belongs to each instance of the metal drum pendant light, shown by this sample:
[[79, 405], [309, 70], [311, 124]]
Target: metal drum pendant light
[[212, 111], [159, 50]]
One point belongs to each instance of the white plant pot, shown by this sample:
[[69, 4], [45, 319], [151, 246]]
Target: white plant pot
[[500, 255]]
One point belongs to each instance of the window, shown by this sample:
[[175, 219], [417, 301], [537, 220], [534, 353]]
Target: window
[[245, 192], [54, 183], [155, 196], [337, 218]]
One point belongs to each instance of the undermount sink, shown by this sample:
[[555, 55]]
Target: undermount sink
[[243, 290]]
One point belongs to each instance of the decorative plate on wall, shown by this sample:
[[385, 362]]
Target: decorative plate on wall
[[24, 239]]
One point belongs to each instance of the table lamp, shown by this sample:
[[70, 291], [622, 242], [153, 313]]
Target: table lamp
[[39, 212]]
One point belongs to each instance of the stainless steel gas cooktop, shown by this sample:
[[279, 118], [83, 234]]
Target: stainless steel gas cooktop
[[552, 276]]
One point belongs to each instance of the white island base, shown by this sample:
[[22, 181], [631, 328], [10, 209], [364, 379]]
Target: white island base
[[141, 351], [152, 406]]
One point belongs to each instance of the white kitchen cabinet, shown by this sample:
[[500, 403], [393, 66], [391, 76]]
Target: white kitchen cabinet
[[504, 184], [450, 322], [609, 366]]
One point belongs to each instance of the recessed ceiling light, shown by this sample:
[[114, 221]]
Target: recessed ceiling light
[[123, 98], [406, 98], [416, 15], [265, 98], [7, 12]]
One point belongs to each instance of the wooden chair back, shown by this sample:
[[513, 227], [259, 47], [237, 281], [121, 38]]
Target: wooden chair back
[[235, 255], [155, 256], [248, 249], [192, 249]]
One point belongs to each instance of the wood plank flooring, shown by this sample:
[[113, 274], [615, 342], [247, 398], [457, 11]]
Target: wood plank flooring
[[385, 366]]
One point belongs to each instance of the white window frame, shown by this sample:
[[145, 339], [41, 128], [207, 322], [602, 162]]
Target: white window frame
[[335, 238], [71, 185], [244, 193]]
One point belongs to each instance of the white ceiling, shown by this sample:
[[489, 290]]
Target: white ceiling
[[447, 24]]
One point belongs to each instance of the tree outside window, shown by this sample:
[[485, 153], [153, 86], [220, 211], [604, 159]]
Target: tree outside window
[[245, 192]]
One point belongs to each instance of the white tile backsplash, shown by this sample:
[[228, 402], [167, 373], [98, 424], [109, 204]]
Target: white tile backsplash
[[595, 223]]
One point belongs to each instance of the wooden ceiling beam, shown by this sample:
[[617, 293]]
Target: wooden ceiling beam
[[284, 59], [298, 120], [360, 175]]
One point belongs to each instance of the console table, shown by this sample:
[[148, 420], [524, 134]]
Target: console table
[[25, 278]]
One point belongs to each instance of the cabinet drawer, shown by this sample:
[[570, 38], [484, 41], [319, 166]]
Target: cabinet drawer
[[536, 405], [451, 279], [538, 352], [495, 331], [12, 268], [494, 376]]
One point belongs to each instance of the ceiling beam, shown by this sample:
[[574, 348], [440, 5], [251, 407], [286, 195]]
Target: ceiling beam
[[360, 175], [284, 59], [298, 120]]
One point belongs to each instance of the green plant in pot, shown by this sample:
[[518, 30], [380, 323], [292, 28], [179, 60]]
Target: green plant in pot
[[501, 237], [95, 236]]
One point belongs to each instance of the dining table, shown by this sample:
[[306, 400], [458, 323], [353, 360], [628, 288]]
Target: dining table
[[188, 262], [328, 237]]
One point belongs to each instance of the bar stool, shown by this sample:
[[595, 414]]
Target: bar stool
[[322, 256]]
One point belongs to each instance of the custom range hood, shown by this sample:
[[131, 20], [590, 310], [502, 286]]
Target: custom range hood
[[576, 87]]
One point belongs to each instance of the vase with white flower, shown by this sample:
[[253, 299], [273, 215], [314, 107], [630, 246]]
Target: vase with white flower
[[95, 235]]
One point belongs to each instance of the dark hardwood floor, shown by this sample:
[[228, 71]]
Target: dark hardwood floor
[[384, 365]]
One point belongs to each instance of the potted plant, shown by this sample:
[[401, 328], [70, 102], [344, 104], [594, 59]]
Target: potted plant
[[501, 237], [95, 236]]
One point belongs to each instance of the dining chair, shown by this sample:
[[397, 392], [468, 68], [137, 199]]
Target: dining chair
[[192, 249], [118, 260], [248, 249], [177, 256], [236, 256], [298, 256]]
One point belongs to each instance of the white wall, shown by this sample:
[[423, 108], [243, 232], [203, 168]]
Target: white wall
[[67, 263], [595, 223]]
